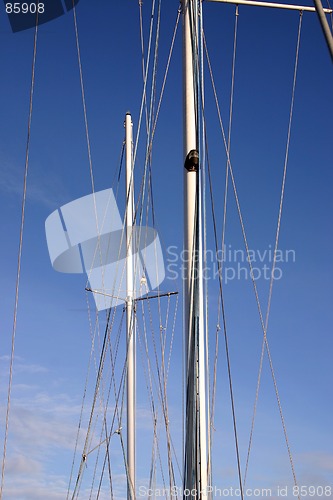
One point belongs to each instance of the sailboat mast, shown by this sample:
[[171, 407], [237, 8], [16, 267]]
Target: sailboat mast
[[195, 474], [130, 317]]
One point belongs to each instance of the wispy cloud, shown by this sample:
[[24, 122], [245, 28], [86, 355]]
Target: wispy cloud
[[44, 189], [42, 430], [41, 442], [316, 469], [318, 460], [21, 367], [37, 488], [17, 465]]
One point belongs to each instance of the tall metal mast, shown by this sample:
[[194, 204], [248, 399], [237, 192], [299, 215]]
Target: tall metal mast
[[195, 474], [130, 316]]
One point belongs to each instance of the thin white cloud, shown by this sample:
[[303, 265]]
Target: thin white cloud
[[21, 367], [318, 460], [41, 441], [42, 432], [26, 368], [41, 428], [32, 487], [44, 189], [17, 465]]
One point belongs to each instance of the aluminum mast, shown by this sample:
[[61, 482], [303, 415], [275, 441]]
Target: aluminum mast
[[195, 473], [130, 313]]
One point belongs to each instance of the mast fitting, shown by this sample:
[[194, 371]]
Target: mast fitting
[[192, 161]]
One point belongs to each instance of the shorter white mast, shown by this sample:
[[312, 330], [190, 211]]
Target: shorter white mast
[[130, 314]]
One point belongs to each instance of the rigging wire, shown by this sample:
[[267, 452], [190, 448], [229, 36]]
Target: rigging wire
[[117, 394], [143, 55], [85, 448], [145, 79], [150, 392], [150, 378], [165, 76], [192, 472], [117, 397], [90, 166], [98, 384], [84, 105], [86, 451], [162, 395], [162, 329], [149, 119], [196, 473], [331, 14], [162, 374], [205, 282], [116, 296], [79, 472], [224, 212], [149, 113], [148, 152], [151, 126], [275, 251], [19, 258], [93, 338], [83, 398], [221, 290], [83, 101], [93, 333], [109, 434], [226, 341], [252, 278]]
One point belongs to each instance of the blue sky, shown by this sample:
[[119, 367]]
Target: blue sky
[[53, 335]]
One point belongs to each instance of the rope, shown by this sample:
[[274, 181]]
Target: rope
[[143, 99], [148, 151], [19, 259], [99, 380], [98, 247], [117, 393], [83, 399], [150, 199], [221, 299], [149, 377], [97, 331], [143, 55], [108, 435], [147, 170], [146, 186], [331, 14], [274, 257], [160, 385], [224, 212], [97, 386], [205, 282], [165, 75], [83, 98], [85, 453], [252, 278], [193, 401], [162, 396], [226, 342], [154, 75]]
